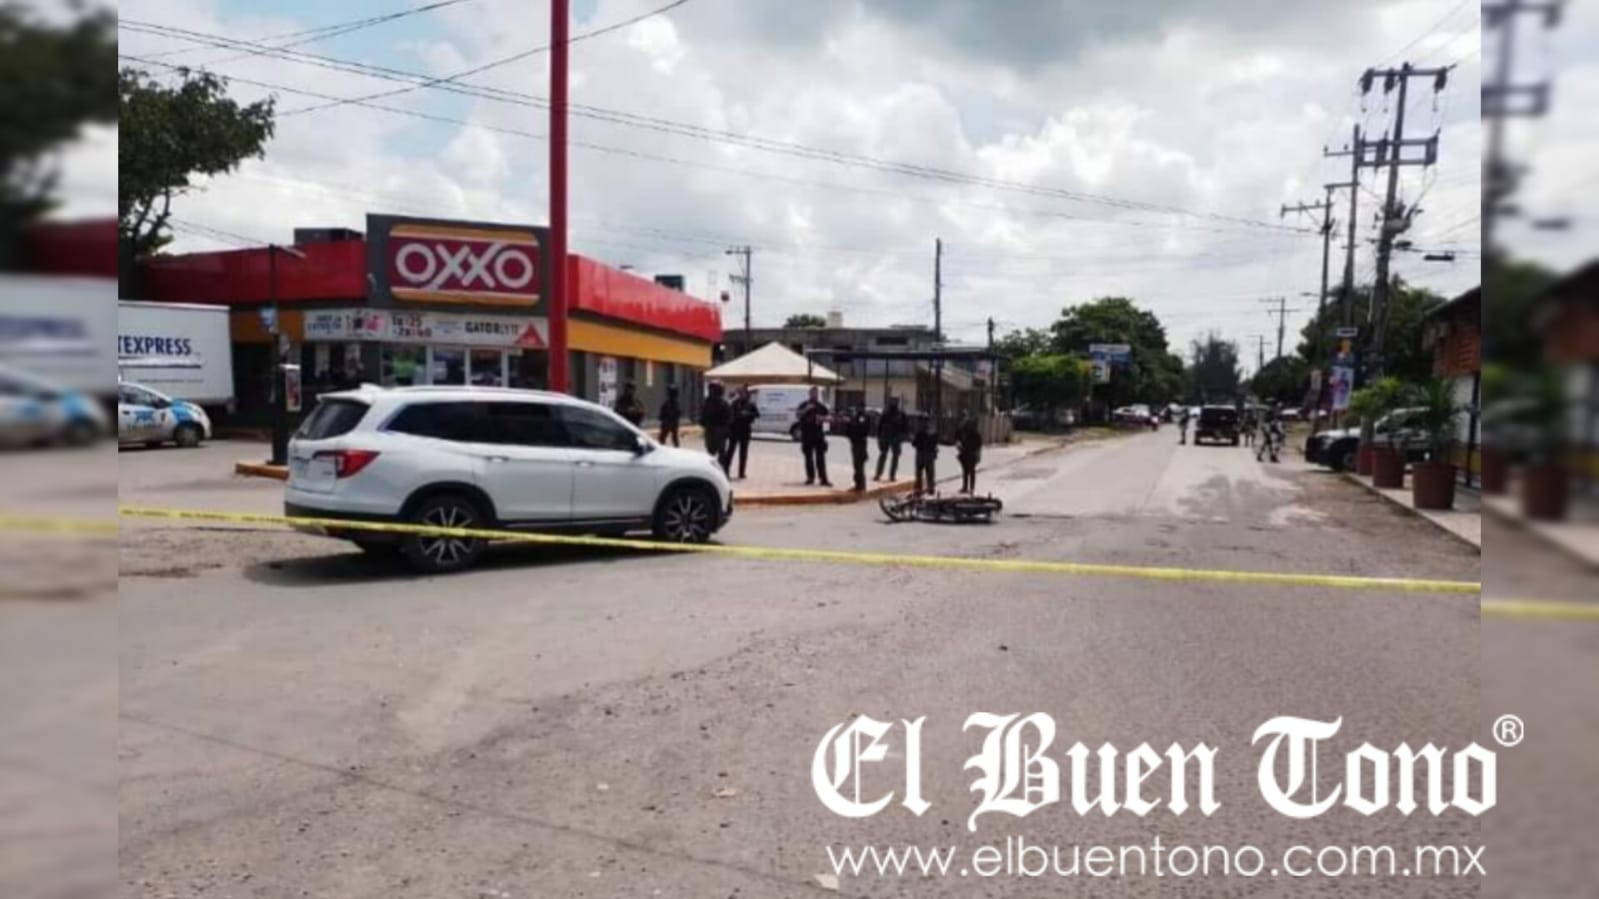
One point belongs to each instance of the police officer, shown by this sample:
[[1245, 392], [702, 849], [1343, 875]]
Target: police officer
[[892, 429], [715, 417], [671, 416], [859, 431], [742, 430], [628, 405], [969, 451], [925, 443], [813, 414]]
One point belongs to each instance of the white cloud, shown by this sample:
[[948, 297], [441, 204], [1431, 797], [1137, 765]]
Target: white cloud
[[1220, 107]]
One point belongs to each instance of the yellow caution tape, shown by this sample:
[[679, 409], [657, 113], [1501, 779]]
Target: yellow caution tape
[[1262, 578], [38, 524], [1540, 609]]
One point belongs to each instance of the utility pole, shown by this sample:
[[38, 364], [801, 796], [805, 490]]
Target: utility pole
[[745, 277], [938, 334], [560, 26], [1395, 218], [1325, 208], [1500, 102], [993, 366], [1260, 352], [1353, 151], [1281, 312]]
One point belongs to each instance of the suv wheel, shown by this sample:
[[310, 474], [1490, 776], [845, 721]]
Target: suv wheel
[[187, 436], [438, 554], [686, 515]]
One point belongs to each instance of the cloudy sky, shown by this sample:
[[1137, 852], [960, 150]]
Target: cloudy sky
[[1137, 147]]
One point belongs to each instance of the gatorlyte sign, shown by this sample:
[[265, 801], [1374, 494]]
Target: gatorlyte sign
[[431, 261]]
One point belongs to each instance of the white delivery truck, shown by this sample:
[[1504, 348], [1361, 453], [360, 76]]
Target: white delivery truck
[[779, 404], [61, 329], [178, 349]]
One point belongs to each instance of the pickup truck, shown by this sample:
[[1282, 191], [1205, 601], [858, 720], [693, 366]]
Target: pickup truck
[[1399, 429], [1218, 424]]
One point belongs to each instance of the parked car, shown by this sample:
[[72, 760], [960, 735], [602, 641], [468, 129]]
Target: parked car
[[491, 458], [148, 416], [1218, 424], [1401, 429], [37, 411], [779, 405]]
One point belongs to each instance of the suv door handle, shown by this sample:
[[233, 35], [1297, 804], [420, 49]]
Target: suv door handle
[[584, 463], [497, 458]]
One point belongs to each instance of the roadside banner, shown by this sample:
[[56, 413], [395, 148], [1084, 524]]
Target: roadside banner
[[1105, 355], [1343, 383]]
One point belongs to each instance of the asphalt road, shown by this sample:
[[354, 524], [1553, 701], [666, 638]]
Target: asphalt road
[[299, 720]]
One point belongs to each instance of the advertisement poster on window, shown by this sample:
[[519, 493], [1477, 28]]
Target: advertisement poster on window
[[291, 388], [607, 381]]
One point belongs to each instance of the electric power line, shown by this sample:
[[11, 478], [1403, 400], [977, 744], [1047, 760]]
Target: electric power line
[[493, 64], [667, 126]]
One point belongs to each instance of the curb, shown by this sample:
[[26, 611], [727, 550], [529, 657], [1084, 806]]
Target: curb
[[261, 470], [836, 498], [1537, 533], [1411, 511]]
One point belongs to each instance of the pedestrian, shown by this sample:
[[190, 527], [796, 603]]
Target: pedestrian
[[1270, 437], [925, 443], [715, 417], [813, 415], [892, 429], [1249, 429], [968, 451], [745, 412], [671, 417], [628, 406], [859, 431], [1183, 422]]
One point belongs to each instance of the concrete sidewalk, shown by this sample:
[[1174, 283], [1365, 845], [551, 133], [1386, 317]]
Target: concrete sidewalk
[[1463, 522], [1577, 536], [775, 472]]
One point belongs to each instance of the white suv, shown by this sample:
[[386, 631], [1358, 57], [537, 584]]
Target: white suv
[[481, 457]]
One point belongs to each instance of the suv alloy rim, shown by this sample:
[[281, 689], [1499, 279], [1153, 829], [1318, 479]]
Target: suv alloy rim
[[447, 551], [688, 518]]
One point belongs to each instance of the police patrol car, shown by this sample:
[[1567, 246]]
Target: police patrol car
[[152, 418], [35, 411]]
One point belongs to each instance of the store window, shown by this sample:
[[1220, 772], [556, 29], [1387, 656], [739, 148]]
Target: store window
[[447, 366], [403, 366], [488, 368]]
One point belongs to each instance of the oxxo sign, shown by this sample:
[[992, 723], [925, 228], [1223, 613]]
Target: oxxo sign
[[443, 263]]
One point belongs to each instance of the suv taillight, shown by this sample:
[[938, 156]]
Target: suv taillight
[[347, 463]]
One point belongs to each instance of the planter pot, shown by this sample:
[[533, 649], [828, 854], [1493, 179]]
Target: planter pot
[[1387, 468], [1543, 492], [1363, 461], [1495, 472], [1432, 485]]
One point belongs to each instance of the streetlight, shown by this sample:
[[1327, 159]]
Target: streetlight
[[279, 352]]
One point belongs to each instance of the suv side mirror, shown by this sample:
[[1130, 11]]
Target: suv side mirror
[[642, 445]]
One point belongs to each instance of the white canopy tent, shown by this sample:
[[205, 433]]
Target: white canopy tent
[[772, 364]]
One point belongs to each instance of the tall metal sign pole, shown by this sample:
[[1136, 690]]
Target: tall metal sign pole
[[560, 24]]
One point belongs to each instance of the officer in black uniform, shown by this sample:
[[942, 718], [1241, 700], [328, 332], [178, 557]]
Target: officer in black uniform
[[813, 415], [892, 429], [859, 431]]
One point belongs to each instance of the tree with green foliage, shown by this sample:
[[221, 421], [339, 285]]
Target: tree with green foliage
[[1407, 357], [1509, 287], [805, 320], [1026, 342], [1049, 382], [1214, 374], [54, 79], [1285, 380], [1152, 374], [169, 134]]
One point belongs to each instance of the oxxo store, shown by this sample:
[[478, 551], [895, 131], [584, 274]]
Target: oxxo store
[[427, 301]]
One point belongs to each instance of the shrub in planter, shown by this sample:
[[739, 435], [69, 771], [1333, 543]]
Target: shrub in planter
[[1371, 403], [1543, 481], [1433, 483]]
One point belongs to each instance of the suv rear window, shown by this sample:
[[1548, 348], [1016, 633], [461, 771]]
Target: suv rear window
[[1213, 416], [332, 418]]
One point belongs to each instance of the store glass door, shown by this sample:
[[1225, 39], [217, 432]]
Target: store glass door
[[488, 368], [447, 366]]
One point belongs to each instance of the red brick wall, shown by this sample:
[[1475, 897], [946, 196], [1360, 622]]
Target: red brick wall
[[1572, 335], [1460, 353]]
